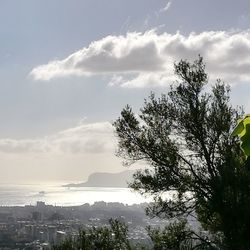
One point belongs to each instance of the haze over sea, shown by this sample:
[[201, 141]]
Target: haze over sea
[[56, 194]]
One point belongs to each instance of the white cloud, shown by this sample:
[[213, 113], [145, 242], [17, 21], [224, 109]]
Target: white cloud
[[141, 80], [132, 53], [85, 138], [167, 6], [116, 80], [146, 59]]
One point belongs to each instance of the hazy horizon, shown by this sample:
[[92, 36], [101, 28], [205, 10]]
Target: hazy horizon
[[68, 68]]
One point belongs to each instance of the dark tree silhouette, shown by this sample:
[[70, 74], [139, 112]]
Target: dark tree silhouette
[[184, 137], [114, 237]]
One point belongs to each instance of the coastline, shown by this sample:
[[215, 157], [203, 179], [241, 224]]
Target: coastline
[[21, 195]]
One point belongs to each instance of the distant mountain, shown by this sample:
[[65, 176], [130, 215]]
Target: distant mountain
[[106, 180]]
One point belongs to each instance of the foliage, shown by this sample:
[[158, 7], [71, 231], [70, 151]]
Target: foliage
[[114, 237], [173, 237], [185, 139], [177, 236], [243, 130]]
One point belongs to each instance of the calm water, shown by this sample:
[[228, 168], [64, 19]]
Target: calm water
[[55, 194]]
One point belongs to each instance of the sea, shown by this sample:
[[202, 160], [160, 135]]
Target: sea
[[55, 194]]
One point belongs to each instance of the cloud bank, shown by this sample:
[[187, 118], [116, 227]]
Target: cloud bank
[[84, 138], [146, 59]]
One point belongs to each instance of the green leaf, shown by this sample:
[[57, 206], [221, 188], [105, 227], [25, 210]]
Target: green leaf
[[243, 131], [239, 128]]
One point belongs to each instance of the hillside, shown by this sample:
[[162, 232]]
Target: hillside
[[106, 180]]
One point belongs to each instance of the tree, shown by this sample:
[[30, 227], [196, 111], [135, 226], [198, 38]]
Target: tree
[[185, 138], [114, 237], [173, 237]]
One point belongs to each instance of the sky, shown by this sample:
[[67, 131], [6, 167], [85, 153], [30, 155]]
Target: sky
[[67, 68]]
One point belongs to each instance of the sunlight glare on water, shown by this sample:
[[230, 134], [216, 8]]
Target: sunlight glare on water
[[56, 194]]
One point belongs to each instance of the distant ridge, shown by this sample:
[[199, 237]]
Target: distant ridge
[[106, 180]]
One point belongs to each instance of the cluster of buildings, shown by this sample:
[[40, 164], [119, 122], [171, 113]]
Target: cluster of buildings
[[41, 226]]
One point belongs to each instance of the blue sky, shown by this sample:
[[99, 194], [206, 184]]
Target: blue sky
[[67, 69]]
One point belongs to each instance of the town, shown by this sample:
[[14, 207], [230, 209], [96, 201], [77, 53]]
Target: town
[[40, 226]]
